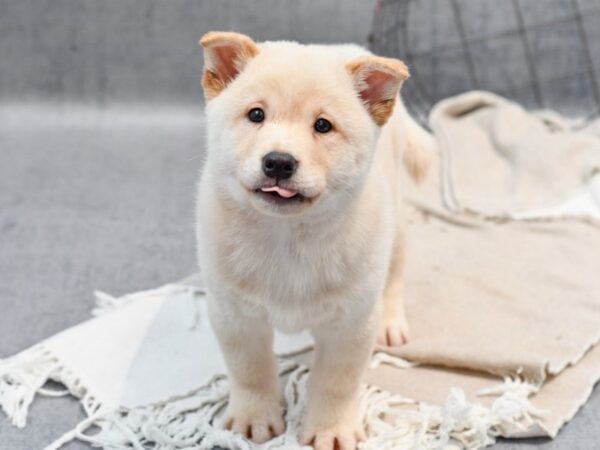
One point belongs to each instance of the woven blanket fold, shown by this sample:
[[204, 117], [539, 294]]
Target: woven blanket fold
[[503, 298], [519, 297], [498, 159]]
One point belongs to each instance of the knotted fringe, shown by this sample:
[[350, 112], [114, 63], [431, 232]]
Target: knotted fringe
[[24, 375], [20, 378], [396, 422], [380, 358], [192, 422], [188, 422]]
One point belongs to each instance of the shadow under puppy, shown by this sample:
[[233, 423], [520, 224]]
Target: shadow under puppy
[[300, 222]]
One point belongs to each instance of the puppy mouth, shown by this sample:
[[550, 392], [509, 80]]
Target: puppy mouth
[[279, 195]]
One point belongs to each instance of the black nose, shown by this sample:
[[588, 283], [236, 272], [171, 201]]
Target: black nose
[[279, 165]]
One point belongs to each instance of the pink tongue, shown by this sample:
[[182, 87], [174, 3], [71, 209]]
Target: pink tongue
[[281, 191]]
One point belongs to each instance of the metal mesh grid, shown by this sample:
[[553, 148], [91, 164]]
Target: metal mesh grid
[[544, 54]]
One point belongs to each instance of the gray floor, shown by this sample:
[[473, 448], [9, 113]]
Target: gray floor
[[106, 202], [83, 207]]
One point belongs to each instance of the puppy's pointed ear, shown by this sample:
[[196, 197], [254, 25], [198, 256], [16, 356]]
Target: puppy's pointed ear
[[377, 81], [225, 56]]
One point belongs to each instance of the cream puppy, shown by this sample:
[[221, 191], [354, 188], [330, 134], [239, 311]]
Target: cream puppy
[[300, 221]]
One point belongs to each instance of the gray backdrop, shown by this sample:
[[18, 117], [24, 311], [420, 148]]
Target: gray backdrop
[[544, 54], [101, 141], [104, 51]]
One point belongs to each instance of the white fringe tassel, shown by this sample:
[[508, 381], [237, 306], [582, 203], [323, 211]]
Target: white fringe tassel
[[392, 422], [21, 377], [24, 375], [381, 358], [395, 422], [192, 422]]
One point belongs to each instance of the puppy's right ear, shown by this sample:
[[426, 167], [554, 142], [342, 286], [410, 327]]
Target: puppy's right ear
[[225, 56]]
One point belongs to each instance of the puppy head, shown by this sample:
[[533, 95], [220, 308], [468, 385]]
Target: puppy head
[[292, 128]]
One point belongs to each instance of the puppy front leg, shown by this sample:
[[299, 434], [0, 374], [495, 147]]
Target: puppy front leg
[[342, 352], [254, 408]]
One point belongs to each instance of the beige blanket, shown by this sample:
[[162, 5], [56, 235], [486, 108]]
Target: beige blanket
[[490, 295]]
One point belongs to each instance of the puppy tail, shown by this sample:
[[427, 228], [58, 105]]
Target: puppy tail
[[419, 146]]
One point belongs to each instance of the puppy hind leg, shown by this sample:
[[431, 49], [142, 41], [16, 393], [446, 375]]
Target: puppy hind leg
[[393, 329]]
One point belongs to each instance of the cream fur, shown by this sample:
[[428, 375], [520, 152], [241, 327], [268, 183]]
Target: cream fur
[[331, 264]]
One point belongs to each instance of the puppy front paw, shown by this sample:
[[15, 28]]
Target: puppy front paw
[[258, 419], [393, 331], [341, 436]]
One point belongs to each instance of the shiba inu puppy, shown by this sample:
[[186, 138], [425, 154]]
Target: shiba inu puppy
[[300, 221]]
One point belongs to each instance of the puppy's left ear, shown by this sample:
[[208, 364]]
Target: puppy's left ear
[[225, 56], [377, 81]]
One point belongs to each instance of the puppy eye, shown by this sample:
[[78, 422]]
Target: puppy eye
[[256, 115], [323, 125]]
